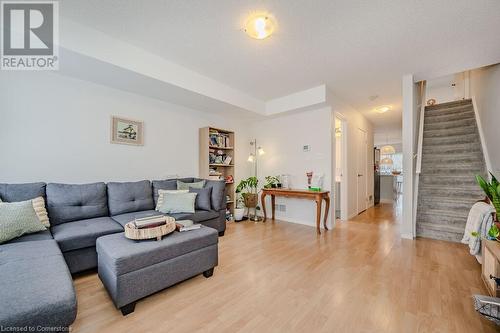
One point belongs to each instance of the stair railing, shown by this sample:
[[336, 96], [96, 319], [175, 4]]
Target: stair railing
[[418, 168]]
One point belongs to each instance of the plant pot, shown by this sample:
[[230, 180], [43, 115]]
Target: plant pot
[[250, 200], [279, 185], [273, 185], [238, 214]]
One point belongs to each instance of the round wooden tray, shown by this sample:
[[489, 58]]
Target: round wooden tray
[[131, 232]]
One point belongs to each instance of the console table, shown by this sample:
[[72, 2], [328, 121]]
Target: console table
[[301, 194]]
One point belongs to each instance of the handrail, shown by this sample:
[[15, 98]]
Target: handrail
[[418, 168]]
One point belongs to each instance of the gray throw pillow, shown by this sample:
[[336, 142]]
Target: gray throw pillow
[[17, 219], [178, 203], [203, 201], [186, 186]]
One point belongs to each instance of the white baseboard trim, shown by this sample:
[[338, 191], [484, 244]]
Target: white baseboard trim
[[302, 222], [407, 236], [386, 201]]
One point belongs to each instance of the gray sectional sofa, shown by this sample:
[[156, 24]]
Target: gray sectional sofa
[[35, 269]]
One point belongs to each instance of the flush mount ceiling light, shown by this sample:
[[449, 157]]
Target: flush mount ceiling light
[[260, 26], [383, 109]]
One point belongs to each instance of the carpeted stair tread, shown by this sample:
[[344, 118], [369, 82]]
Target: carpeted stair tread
[[459, 115], [450, 124], [451, 139], [440, 132]]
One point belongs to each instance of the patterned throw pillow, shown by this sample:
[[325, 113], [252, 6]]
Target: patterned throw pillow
[[161, 195], [17, 219], [186, 186], [40, 210], [178, 203]]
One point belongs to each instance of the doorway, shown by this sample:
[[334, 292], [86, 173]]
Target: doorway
[[340, 168], [361, 166]]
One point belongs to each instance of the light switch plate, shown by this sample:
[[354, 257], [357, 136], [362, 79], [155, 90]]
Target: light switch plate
[[306, 148]]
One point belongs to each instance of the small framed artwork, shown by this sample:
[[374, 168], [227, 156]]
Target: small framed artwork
[[126, 131]]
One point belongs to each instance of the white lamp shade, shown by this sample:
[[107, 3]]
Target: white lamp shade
[[386, 161], [388, 149]]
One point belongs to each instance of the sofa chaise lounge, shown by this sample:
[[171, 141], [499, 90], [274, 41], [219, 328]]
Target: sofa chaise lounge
[[36, 269]]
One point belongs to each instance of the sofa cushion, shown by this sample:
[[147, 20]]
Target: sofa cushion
[[122, 255], [203, 200], [21, 192], [71, 202], [218, 196], [169, 184], [38, 236], [129, 217], [130, 197], [81, 234], [37, 288]]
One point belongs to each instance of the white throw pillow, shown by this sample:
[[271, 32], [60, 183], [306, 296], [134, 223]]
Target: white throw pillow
[[161, 196]]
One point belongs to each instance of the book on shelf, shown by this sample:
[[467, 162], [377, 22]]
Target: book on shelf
[[219, 139], [227, 160]]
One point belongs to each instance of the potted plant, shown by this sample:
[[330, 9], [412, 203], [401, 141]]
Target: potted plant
[[239, 210], [492, 190], [248, 189], [272, 182]]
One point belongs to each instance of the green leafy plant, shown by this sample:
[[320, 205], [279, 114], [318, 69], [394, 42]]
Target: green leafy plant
[[494, 231], [271, 180], [248, 185], [492, 190]]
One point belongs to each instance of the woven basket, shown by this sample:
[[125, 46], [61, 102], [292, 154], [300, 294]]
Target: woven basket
[[131, 232]]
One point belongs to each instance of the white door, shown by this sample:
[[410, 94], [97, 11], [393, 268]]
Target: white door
[[361, 167]]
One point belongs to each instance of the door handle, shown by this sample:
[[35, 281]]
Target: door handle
[[360, 175]]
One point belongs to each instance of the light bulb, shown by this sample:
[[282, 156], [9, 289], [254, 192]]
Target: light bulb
[[260, 26], [251, 158], [261, 151]]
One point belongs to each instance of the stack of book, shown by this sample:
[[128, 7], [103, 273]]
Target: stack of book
[[150, 222], [219, 139], [186, 225]]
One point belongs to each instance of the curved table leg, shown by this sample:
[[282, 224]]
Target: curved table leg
[[263, 202], [318, 214], [327, 210]]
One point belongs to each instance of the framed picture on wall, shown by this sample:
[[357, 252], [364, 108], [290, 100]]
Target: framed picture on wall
[[127, 131]]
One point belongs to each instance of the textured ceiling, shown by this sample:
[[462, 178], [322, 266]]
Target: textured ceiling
[[358, 48]]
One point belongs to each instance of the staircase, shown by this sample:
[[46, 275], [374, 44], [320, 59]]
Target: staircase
[[451, 157]]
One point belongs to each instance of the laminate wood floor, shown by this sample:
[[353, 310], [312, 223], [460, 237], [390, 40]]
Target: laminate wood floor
[[282, 277]]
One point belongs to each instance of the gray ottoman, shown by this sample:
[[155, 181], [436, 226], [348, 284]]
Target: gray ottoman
[[131, 270]]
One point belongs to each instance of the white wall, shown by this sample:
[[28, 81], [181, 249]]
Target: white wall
[[57, 129], [282, 138], [442, 91], [485, 87]]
